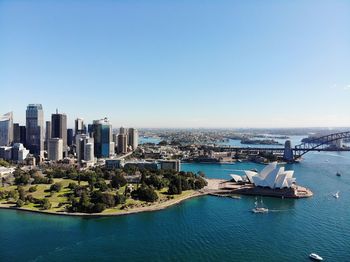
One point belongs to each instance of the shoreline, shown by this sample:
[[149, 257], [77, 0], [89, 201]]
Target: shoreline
[[155, 207]]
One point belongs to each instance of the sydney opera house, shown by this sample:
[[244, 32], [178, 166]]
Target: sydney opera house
[[273, 180], [272, 176]]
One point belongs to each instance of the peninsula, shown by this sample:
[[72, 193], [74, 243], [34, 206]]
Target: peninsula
[[98, 191]]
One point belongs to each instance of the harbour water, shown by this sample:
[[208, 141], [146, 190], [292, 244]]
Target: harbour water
[[201, 229]]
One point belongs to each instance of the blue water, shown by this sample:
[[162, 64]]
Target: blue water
[[201, 229], [154, 140]]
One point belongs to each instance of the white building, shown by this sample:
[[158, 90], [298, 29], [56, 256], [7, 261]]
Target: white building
[[19, 152], [55, 149], [89, 152], [6, 129], [133, 138], [271, 176]]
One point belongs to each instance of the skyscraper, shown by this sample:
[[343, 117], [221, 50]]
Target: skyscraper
[[84, 147], [6, 129], [69, 136], [23, 135], [102, 134], [122, 144], [35, 129], [122, 131], [133, 138], [16, 133], [55, 149], [59, 128], [79, 126], [47, 134]]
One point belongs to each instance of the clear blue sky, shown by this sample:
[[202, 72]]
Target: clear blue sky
[[189, 63]]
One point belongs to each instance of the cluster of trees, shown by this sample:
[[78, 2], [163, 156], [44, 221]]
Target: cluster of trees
[[86, 201], [21, 198], [4, 163], [175, 181], [102, 189]]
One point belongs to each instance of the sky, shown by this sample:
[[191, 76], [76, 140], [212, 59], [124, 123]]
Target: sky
[[178, 64]]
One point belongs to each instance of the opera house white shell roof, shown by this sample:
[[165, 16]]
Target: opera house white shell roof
[[271, 176]]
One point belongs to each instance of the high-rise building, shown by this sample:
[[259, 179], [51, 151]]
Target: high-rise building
[[16, 133], [102, 134], [83, 144], [47, 134], [79, 126], [59, 128], [55, 149], [6, 129], [35, 129], [69, 136], [23, 135], [89, 152], [122, 144], [122, 131], [133, 138]]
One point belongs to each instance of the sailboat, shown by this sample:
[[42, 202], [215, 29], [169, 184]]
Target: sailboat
[[260, 209]]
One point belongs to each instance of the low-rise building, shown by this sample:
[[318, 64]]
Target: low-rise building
[[114, 163], [170, 165]]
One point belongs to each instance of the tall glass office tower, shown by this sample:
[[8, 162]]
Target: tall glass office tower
[[35, 129], [102, 134]]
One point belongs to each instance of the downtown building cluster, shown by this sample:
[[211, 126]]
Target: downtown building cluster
[[52, 140]]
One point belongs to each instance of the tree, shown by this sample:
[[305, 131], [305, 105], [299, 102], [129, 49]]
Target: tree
[[200, 183], [145, 193], [21, 193], [155, 181], [102, 185], [45, 205], [120, 199], [175, 187], [98, 208], [32, 189], [118, 181], [20, 203], [22, 179], [56, 187], [85, 204]]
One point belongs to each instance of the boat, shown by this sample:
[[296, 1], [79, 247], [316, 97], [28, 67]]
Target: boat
[[336, 195], [315, 257], [235, 197], [260, 209], [338, 174]]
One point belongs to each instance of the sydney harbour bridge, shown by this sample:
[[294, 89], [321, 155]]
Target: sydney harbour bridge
[[290, 153]]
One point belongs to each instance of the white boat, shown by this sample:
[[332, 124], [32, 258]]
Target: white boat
[[336, 195], [258, 209], [316, 257]]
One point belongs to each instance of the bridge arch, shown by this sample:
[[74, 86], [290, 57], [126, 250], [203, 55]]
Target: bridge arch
[[317, 143]]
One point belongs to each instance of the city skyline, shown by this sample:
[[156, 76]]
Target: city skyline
[[176, 65]]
